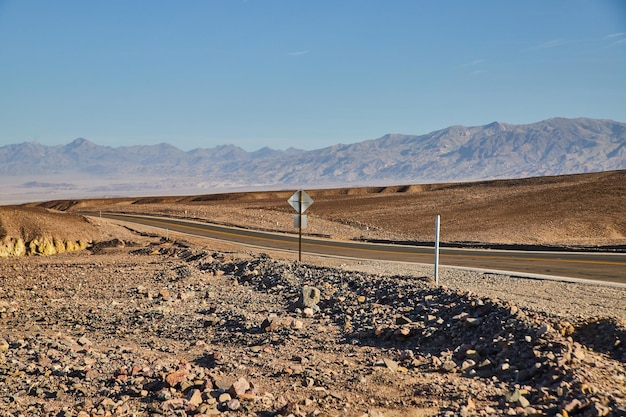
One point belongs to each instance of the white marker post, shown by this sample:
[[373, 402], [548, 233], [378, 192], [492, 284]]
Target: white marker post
[[437, 223]]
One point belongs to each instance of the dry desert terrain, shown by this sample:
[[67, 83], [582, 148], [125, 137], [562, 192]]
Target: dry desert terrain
[[136, 324]]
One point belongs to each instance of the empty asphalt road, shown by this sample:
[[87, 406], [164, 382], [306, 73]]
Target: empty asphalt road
[[579, 265]]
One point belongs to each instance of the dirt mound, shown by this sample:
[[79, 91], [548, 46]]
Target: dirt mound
[[38, 231]]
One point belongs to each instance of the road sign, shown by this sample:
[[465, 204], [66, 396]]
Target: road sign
[[300, 220], [300, 201]]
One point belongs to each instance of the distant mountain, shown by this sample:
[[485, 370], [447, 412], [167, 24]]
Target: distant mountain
[[497, 150]]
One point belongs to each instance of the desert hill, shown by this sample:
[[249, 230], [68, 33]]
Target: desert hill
[[582, 209]]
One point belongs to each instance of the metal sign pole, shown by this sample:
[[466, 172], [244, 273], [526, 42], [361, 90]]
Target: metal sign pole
[[300, 201], [437, 223]]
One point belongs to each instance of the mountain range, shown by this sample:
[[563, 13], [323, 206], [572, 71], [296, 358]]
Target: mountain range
[[458, 153]]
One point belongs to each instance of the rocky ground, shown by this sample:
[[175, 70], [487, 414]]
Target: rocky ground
[[139, 325]]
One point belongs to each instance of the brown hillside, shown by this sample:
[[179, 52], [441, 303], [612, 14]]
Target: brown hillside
[[584, 209]]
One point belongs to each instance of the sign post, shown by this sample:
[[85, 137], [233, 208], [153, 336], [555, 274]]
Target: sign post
[[437, 223], [300, 201]]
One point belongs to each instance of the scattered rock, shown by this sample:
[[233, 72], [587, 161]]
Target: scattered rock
[[239, 388], [64, 347], [309, 297]]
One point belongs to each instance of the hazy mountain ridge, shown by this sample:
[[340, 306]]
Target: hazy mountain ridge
[[497, 150]]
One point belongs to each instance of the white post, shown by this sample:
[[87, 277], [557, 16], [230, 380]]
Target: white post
[[437, 222], [299, 225]]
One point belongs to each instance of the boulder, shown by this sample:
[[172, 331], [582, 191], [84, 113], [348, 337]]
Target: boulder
[[309, 297]]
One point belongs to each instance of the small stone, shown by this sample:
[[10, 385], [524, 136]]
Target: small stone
[[176, 377], [471, 354], [572, 405], [484, 363], [91, 374], [513, 396], [4, 345], [164, 395], [239, 387], [566, 328], [472, 322], [532, 411], [224, 397], [186, 384], [579, 353], [403, 332], [194, 397], [296, 324], [436, 362], [390, 364], [523, 401], [308, 312], [224, 383], [83, 341], [449, 366], [233, 404], [107, 404], [468, 364], [271, 323]]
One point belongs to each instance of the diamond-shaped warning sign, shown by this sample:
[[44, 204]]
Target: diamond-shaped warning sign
[[300, 201]]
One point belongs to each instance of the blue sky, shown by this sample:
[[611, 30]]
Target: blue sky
[[306, 74]]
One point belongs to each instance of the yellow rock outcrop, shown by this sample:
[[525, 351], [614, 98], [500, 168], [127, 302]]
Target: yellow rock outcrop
[[11, 247]]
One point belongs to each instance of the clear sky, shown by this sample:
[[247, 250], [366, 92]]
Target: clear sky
[[301, 73]]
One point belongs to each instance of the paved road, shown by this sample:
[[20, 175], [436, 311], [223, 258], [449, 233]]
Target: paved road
[[579, 265]]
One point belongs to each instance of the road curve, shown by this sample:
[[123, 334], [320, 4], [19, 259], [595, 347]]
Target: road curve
[[578, 265]]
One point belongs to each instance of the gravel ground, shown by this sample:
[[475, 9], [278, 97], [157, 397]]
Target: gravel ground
[[142, 326]]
